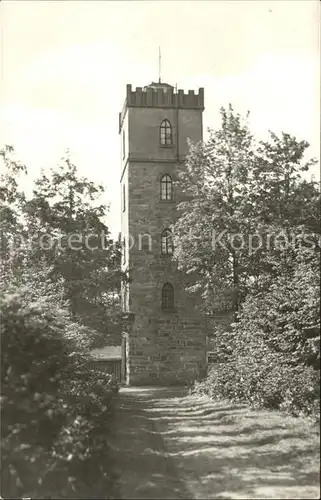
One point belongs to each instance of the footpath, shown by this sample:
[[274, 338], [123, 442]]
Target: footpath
[[167, 444]]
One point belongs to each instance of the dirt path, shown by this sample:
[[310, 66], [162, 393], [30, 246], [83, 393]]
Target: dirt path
[[170, 445]]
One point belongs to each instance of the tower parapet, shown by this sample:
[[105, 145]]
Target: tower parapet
[[161, 95]]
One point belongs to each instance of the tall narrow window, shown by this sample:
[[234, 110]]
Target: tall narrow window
[[124, 147], [167, 297], [124, 198], [166, 188], [166, 133], [145, 242], [167, 242]]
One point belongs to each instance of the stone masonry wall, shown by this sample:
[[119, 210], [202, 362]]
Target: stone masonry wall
[[162, 347], [171, 352]]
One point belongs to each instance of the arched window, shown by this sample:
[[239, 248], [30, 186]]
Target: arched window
[[167, 242], [167, 297], [166, 187], [165, 133], [145, 242]]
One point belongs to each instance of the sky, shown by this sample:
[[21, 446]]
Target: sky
[[65, 66]]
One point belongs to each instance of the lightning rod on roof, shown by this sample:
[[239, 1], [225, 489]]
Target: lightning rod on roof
[[159, 64]]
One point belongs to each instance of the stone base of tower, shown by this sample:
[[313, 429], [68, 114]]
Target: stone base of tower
[[169, 350]]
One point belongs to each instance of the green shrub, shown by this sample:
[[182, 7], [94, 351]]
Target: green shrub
[[274, 347], [269, 382], [55, 410]]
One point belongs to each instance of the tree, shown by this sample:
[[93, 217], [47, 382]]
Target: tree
[[11, 200], [53, 406], [263, 262], [65, 221], [59, 237], [240, 197]]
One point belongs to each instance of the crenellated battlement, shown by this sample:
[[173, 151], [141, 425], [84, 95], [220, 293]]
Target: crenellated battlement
[[161, 96]]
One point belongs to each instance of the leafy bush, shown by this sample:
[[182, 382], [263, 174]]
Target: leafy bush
[[265, 384], [54, 408], [55, 306], [275, 346], [280, 315]]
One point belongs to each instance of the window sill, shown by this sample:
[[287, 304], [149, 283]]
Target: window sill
[[166, 201], [169, 311], [166, 146]]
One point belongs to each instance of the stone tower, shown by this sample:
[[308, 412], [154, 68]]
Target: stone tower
[[166, 343]]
